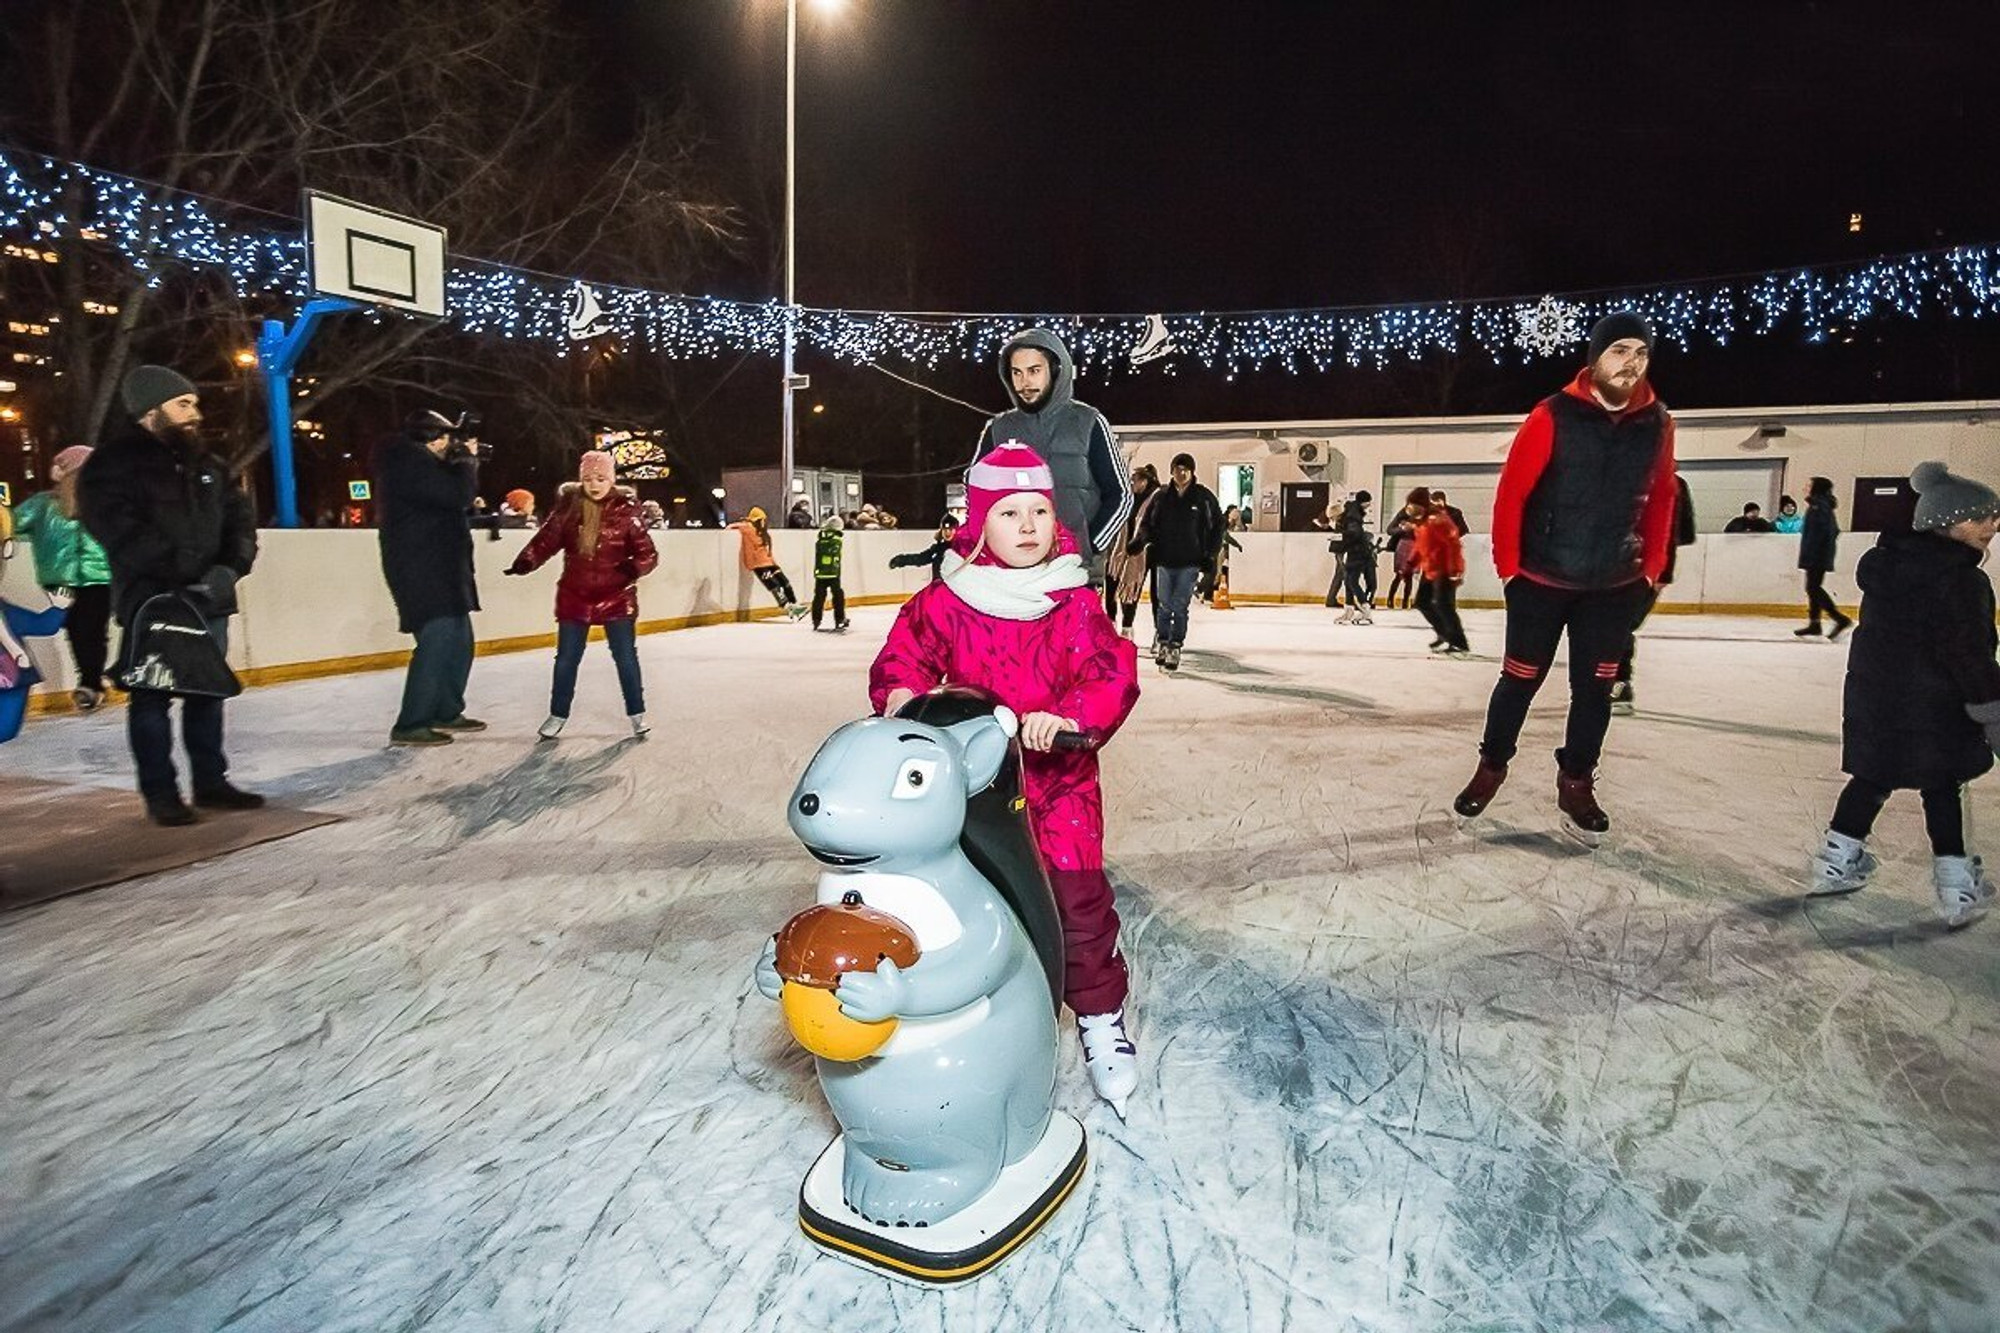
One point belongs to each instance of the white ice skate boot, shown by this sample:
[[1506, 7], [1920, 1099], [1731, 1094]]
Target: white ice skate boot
[[1109, 1057], [1841, 865], [638, 721], [552, 728], [1963, 891]]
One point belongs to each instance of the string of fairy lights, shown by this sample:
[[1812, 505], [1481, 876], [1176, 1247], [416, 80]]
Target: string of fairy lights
[[158, 231]]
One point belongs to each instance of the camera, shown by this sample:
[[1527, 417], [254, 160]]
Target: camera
[[461, 433]]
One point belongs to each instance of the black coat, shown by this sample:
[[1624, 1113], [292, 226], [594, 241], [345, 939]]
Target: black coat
[[1183, 530], [426, 541], [1819, 536], [1356, 541], [168, 516], [1923, 652]]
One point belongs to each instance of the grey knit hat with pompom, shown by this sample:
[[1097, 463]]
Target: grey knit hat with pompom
[[1944, 499]]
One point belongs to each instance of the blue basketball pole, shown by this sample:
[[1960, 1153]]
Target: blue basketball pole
[[278, 353]]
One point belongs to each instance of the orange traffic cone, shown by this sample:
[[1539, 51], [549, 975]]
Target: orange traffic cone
[[1220, 602]]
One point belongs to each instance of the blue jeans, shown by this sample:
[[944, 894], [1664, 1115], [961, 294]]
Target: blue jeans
[[149, 726], [434, 688], [622, 637], [1173, 589]]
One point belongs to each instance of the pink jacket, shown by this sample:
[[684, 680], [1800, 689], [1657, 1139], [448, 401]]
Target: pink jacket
[[1071, 663]]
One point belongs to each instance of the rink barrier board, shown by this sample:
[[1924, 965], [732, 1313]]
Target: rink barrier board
[[54, 702], [1764, 610], [316, 605]]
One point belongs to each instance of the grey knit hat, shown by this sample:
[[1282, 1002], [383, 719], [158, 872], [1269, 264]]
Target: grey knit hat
[[146, 387], [1943, 499]]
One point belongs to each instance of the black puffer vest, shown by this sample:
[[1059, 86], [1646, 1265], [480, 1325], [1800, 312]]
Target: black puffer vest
[[1580, 528]]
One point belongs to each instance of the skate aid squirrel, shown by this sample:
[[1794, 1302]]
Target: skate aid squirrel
[[926, 981]]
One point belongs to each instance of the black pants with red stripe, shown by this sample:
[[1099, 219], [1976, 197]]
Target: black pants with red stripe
[[1599, 622]]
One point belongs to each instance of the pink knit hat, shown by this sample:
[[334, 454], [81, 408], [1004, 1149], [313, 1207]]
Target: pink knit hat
[[69, 460], [1011, 469], [596, 463]]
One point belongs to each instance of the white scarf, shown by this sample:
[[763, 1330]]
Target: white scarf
[[1012, 594]]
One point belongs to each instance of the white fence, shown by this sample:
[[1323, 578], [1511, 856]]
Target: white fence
[[316, 602]]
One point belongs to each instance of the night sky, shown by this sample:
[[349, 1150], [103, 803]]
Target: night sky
[[1023, 155]]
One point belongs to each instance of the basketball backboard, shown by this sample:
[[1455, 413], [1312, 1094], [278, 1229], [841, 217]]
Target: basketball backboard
[[378, 258]]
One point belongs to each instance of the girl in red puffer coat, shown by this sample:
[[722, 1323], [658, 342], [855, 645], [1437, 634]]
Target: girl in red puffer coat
[[600, 530]]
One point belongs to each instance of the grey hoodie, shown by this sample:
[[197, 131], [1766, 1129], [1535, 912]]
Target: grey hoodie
[[1093, 494]]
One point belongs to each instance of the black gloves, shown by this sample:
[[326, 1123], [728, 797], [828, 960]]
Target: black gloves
[[215, 591]]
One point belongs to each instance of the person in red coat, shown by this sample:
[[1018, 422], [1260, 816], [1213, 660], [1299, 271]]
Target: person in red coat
[[601, 531], [1441, 561]]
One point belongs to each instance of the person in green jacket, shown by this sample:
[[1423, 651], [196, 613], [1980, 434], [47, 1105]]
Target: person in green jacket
[[68, 557], [826, 574]]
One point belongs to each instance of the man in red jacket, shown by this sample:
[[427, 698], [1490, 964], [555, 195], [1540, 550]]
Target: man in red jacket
[[1582, 526]]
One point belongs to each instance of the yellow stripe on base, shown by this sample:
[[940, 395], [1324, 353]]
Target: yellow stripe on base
[[967, 1270]]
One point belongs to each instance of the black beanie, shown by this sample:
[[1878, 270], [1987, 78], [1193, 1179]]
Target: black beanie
[[1616, 327]]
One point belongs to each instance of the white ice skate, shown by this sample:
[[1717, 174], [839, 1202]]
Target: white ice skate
[[1109, 1057], [639, 727], [1621, 698], [1841, 865], [1963, 891], [552, 728]]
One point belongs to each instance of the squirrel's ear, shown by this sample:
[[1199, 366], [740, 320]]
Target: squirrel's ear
[[984, 741]]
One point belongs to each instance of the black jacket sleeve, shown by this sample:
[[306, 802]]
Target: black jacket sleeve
[[424, 482], [1213, 530], [1114, 488], [239, 533], [1963, 637]]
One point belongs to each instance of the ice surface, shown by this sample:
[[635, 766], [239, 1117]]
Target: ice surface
[[487, 1055]]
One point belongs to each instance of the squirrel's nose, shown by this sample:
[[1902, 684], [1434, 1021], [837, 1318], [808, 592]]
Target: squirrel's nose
[[809, 804]]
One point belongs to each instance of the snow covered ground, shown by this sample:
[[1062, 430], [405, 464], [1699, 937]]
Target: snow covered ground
[[487, 1056]]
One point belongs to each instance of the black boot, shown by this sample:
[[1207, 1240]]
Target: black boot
[[226, 797], [169, 811]]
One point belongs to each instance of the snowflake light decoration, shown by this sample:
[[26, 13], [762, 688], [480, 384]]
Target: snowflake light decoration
[[1548, 327]]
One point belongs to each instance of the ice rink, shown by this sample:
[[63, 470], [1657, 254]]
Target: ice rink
[[487, 1056]]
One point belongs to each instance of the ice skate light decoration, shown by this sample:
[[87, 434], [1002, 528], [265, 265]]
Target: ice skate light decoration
[[927, 990], [583, 313], [1548, 327], [1155, 343], [157, 232]]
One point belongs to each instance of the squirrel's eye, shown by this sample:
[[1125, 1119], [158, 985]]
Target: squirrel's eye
[[913, 778]]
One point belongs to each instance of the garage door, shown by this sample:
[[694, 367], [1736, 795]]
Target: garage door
[[1468, 486]]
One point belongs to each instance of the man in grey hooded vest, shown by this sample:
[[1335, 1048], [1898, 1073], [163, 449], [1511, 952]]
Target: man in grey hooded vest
[[1093, 494]]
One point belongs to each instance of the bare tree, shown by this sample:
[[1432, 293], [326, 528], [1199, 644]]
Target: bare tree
[[470, 113]]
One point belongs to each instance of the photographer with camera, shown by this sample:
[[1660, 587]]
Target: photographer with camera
[[424, 483]]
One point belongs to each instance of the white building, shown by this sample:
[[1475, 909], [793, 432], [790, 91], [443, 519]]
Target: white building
[[1290, 470]]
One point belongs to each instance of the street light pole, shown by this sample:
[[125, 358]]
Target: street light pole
[[791, 317]]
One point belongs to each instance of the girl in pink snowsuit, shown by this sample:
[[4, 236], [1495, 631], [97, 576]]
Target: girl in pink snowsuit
[[1014, 614]]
